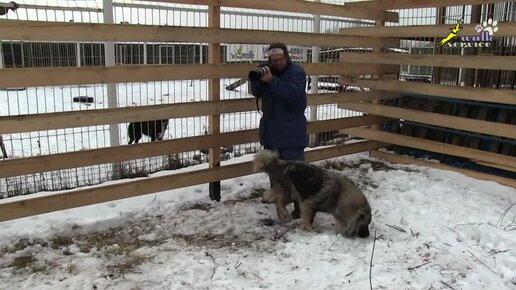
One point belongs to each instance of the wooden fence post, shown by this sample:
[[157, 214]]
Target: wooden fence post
[[214, 95], [378, 23]]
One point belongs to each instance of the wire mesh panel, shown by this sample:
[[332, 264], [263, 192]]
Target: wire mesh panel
[[51, 99], [485, 19]]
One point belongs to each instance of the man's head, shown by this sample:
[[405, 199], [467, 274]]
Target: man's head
[[278, 56]]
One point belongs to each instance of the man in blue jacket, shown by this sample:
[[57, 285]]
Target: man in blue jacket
[[283, 125]]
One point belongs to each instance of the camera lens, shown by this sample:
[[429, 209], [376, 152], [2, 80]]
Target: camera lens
[[257, 73]]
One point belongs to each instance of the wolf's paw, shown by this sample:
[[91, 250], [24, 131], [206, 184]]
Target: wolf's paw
[[308, 227]]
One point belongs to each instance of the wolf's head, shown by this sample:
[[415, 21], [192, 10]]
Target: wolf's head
[[362, 221], [357, 224], [264, 160]]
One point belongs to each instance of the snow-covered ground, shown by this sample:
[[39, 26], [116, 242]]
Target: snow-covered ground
[[435, 230]]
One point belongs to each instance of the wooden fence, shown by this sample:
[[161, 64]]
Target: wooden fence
[[377, 103], [424, 110]]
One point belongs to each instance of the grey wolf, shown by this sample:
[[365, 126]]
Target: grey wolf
[[153, 129], [4, 10], [316, 190], [2, 147]]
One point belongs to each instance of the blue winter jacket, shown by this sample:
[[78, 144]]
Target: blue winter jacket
[[283, 123]]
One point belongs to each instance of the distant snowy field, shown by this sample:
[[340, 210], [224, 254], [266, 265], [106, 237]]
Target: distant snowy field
[[435, 230]]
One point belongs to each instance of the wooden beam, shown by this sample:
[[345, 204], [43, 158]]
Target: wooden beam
[[341, 123], [105, 155], [299, 6], [71, 199], [433, 146], [503, 167], [504, 29], [54, 76], [332, 98], [458, 123], [378, 23], [73, 119], [214, 95], [464, 93], [407, 4], [45, 163], [341, 150], [395, 158], [466, 61], [72, 31]]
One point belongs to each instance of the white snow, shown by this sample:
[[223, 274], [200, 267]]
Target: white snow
[[452, 226]]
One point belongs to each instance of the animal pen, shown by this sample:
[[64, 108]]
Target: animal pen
[[405, 80]]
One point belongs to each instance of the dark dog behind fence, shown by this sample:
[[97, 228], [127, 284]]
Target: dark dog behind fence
[[2, 146], [154, 129]]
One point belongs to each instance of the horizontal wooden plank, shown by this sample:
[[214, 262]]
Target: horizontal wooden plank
[[72, 31], [504, 29], [73, 119], [53, 76], [432, 146], [44, 163], [406, 4], [434, 60], [395, 158], [71, 199], [348, 122], [503, 167], [365, 96], [464, 93], [458, 123], [341, 150], [298, 6]]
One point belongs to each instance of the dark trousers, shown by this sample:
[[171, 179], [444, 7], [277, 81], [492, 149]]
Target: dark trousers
[[290, 154]]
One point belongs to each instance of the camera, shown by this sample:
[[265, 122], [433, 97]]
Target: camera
[[258, 72]]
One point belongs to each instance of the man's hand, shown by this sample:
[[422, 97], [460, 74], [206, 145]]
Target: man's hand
[[267, 77]]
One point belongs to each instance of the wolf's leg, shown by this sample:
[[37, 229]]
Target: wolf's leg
[[339, 225], [308, 215], [268, 196], [296, 213], [343, 226], [281, 209]]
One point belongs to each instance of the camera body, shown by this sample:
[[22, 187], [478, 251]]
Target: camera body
[[258, 72]]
